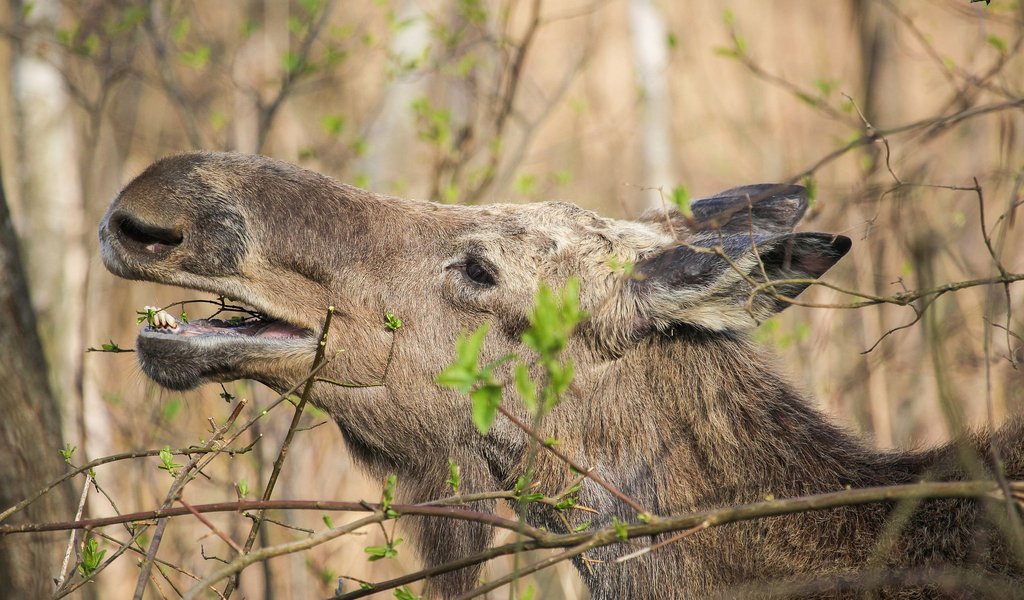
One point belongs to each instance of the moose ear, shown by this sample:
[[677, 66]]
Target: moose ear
[[695, 284], [761, 208]]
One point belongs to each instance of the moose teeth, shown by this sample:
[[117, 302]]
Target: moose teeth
[[161, 319]]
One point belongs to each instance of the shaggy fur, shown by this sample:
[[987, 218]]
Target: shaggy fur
[[671, 403]]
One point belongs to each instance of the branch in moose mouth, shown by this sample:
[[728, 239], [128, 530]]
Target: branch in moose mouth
[[248, 321]]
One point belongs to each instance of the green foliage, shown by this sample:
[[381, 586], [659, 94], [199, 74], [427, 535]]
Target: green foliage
[[554, 317], [585, 525], [524, 483], [466, 375], [388, 550], [67, 452], [392, 322], [167, 461], [526, 184], [389, 496], [473, 11], [404, 593], [464, 372], [811, 184], [526, 387], [328, 521], [552, 321], [171, 409], [454, 476], [620, 529], [486, 400], [91, 558], [243, 488], [179, 31], [680, 196], [434, 124], [197, 58], [146, 316], [996, 42], [332, 124]]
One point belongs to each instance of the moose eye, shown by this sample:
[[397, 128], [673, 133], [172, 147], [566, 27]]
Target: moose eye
[[477, 273]]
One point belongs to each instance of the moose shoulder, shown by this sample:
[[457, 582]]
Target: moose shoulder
[[671, 403]]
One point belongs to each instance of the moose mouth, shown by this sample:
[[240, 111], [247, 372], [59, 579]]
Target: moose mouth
[[182, 354]]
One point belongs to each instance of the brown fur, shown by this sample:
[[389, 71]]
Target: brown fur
[[671, 403]]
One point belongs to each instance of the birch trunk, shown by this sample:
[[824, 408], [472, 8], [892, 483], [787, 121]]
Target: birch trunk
[[650, 40]]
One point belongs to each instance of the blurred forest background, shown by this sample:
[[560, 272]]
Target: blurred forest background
[[616, 105]]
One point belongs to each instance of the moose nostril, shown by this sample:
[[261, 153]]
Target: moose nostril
[[148, 237]]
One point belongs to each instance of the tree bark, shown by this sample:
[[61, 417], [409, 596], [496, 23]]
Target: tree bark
[[30, 432], [650, 48]]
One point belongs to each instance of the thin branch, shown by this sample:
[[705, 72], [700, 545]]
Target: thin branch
[[318, 360], [180, 482], [580, 469]]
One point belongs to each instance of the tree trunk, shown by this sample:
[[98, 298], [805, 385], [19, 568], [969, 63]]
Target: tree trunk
[[29, 433], [49, 205], [650, 48]]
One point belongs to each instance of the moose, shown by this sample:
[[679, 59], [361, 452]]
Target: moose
[[671, 402]]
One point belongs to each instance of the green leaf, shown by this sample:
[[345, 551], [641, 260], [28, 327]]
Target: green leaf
[[996, 42], [387, 551], [585, 525], [328, 521], [311, 6], [454, 476], [464, 372], [333, 124], [91, 558], [180, 30], [680, 196], [67, 452], [393, 323], [404, 593], [486, 399], [243, 488], [620, 529], [526, 184], [167, 461], [196, 58], [526, 388], [171, 408], [389, 495], [145, 316], [812, 189]]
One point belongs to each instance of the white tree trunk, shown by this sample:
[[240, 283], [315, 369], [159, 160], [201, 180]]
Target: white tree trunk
[[650, 49], [51, 214], [394, 130]]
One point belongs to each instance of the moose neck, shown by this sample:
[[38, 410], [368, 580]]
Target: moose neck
[[709, 410]]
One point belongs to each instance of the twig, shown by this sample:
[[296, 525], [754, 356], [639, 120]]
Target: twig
[[179, 483], [585, 471], [109, 459], [74, 535], [318, 360], [209, 525]]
